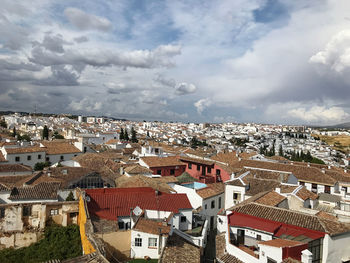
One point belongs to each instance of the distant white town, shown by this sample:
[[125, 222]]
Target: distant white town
[[175, 192]]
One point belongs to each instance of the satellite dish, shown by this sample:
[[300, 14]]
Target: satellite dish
[[137, 211]]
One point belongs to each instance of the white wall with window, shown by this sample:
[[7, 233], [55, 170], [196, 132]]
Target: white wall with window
[[211, 207], [29, 159], [233, 195], [146, 244], [183, 220]]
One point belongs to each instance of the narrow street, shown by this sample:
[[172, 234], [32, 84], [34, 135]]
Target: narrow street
[[210, 249]]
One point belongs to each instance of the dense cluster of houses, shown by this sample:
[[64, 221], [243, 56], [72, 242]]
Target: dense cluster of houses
[[157, 200]]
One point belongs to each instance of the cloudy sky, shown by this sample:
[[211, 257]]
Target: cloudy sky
[[275, 61]]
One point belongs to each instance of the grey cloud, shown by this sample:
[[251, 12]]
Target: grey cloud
[[85, 21], [164, 81], [6, 65], [60, 77], [81, 39], [159, 57], [56, 93], [12, 36]]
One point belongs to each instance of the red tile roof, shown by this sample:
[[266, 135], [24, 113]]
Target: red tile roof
[[109, 203]]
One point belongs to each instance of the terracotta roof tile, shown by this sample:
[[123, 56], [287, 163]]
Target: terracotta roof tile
[[8, 168], [137, 169], [227, 258], [211, 190], [109, 203], [179, 250], [40, 191], [53, 147], [278, 242], [293, 218], [271, 198], [31, 149], [151, 226], [162, 161]]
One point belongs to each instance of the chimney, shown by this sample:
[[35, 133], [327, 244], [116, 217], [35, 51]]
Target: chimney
[[345, 171], [323, 170], [308, 164], [292, 163], [239, 159], [306, 256], [278, 190], [329, 167]]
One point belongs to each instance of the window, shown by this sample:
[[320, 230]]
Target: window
[[314, 188], [29, 157], [2, 212], [198, 167], [213, 204], [205, 207], [121, 225], [327, 189], [209, 170], [183, 219], [258, 237], [302, 183], [39, 156], [172, 171], [316, 248], [17, 159], [54, 212], [85, 149], [190, 166], [27, 210], [219, 202], [138, 242], [47, 159], [235, 196], [218, 171], [62, 157], [152, 242], [156, 150], [159, 172]]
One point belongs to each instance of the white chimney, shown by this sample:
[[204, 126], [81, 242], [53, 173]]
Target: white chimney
[[345, 171], [308, 164], [329, 167], [278, 190], [306, 256], [323, 170]]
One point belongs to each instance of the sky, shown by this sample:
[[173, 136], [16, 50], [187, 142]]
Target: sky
[[263, 61]]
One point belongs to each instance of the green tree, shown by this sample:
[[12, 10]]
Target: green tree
[[3, 123], [121, 136], [280, 151], [24, 137], [14, 133], [133, 135], [45, 134], [70, 196], [41, 166], [56, 135], [126, 135]]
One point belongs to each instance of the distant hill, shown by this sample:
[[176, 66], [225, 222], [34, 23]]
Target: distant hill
[[345, 125]]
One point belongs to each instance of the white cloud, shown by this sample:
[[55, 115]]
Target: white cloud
[[319, 114], [202, 104], [85, 21], [336, 54], [185, 88]]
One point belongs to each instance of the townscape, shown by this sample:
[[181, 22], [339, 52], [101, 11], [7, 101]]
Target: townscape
[[203, 131], [175, 192]]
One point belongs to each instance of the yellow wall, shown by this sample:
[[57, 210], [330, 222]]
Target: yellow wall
[[87, 246]]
